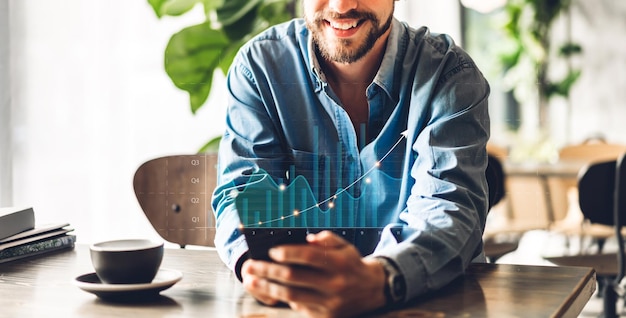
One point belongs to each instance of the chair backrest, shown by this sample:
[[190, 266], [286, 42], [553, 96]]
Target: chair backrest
[[596, 184], [495, 180], [501, 153], [594, 151], [175, 193]]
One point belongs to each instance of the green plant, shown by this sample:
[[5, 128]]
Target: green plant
[[195, 53], [527, 57]]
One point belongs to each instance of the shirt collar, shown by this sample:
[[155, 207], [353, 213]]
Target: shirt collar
[[388, 68], [315, 64]]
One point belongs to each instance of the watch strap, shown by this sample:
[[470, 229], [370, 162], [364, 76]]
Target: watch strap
[[395, 286]]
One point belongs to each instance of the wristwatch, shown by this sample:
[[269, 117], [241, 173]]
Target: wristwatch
[[395, 286]]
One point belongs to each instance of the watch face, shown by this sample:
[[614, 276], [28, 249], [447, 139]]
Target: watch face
[[398, 288]]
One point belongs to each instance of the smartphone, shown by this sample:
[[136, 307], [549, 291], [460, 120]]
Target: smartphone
[[260, 240]]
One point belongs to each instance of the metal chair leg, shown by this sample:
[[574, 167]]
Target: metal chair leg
[[609, 298]]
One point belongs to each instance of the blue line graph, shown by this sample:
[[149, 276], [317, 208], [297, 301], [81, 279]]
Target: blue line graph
[[265, 204]]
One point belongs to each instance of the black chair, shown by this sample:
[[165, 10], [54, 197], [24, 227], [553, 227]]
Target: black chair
[[602, 199], [496, 181]]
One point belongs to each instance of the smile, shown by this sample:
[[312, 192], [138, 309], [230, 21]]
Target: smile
[[343, 25]]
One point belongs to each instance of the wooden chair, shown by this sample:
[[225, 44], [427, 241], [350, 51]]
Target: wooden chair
[[175, 193], [524, 207], [602, 200], [592, 151]]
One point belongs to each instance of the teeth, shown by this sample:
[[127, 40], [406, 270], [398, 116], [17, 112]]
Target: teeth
[[343, 25]]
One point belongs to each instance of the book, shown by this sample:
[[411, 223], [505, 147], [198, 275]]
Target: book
[[41, 246], [38, 230], [15, 220], [32, 238]]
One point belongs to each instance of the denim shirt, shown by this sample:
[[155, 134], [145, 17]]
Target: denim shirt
[[425, 161]]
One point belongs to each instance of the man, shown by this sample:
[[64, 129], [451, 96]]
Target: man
[[330, 97]]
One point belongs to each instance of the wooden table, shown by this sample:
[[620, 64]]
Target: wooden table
[[43, 287]]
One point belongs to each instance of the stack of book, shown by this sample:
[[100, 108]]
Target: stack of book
[[20, 237]]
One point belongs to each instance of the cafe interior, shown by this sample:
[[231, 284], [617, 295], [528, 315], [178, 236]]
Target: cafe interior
[[85, 103]]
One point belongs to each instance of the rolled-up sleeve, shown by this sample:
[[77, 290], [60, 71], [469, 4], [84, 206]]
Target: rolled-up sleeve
[[445, 212]]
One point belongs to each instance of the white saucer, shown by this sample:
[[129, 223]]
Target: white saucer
[[164, 279]]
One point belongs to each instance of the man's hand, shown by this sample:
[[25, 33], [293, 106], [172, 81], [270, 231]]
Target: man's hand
[[325, 278]]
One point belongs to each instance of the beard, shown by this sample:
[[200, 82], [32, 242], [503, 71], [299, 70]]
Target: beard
[[346, 50]]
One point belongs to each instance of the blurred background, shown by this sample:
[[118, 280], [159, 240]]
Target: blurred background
[[85, 99]]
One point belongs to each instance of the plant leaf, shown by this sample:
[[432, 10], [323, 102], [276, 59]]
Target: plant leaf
[[274, 11], [243, 27], [156, 6], [570, 49], [178, 7], [239, 33], [234, 10], [563, 87], [191, 57], [269, 12], [212, 5], [199, 96], [228, 56], [211, 146]]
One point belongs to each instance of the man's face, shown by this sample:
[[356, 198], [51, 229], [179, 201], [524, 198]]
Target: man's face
[[345, 31]]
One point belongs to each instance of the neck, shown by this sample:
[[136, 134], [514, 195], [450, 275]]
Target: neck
[[350, 82], [362, 71]]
